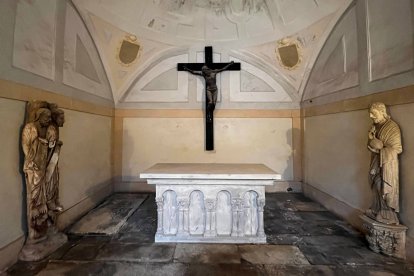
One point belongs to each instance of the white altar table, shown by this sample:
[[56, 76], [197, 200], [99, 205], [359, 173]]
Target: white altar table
[[211, 203]]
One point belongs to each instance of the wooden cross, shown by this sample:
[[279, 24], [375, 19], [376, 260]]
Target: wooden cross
[[208, 70]]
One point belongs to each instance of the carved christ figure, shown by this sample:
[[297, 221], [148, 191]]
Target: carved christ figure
[[384, 142], [209, 76]]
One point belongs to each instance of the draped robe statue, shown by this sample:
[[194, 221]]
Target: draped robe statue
[[52, 170], [384, 142], [35, 148], [41, 147]]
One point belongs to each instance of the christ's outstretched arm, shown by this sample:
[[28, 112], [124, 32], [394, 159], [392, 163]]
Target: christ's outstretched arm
[[192, 71], [224, 68]]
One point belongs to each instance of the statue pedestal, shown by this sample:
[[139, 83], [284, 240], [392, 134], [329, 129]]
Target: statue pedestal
[[388, 239], [42, 249]]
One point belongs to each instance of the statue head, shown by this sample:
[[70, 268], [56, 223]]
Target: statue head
[[205, 69], [378, 113], [58, 117], [44, 116]]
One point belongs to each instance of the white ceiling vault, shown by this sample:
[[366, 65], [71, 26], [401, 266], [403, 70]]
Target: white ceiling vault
[[244, 30]]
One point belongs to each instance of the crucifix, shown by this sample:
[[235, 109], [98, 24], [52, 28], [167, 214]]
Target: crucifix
[[208, 70]]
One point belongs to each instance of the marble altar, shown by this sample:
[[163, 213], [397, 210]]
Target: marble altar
[[211, 203]]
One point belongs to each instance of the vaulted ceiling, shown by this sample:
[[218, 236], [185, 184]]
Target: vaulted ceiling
[[248, 30]]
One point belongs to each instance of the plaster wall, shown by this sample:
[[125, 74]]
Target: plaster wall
[[47, 60], [11, 186], [85, 166], [147, 141], [336, 159], [369, 50], [335, 156]]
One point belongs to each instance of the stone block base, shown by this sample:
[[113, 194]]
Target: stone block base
[[216, 239], [210, 203], [385, 238], [42, 249]]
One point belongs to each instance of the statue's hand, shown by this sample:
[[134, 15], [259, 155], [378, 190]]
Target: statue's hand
[[33, 165], [43, 141], [42, 209], [376, 144], [372, 150], [371, 133]]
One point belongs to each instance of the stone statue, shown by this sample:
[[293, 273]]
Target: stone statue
[[384, 142], [52, 170], [41, 148], [35, 148], [211, 85]]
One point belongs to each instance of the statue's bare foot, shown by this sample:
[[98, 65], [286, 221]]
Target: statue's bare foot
[[55, 207], [58, 208]]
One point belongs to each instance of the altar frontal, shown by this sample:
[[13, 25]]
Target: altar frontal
[[210, 203]]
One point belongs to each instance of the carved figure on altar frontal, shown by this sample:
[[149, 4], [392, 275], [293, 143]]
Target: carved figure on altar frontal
[[41, 148], [209, 76], [384, 143]]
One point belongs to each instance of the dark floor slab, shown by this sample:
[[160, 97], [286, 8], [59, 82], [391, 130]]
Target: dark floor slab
[[83, 252], [94, 239], [349, 229], [329, 245], [377, 270], [131, 252], [344, 255], [140, 236], [109, 216], [281, 226], [272, 254], [26, 268], [142, 220], [206, 253], [316, 215], [58, 254], [113, 268], [305, 206], [323, 227], [149, 203], [293, 204], [270, 214], [75, 268], [308, 270], [224, 269], [274, 199], [287, 239], [331, 241]]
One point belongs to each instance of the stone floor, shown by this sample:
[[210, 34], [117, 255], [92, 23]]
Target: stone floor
[[303, 239]]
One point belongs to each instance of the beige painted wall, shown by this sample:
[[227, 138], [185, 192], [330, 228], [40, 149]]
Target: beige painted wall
[[147, 141], [85, 165], [335, 156], [336, 160], [11, 186]]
